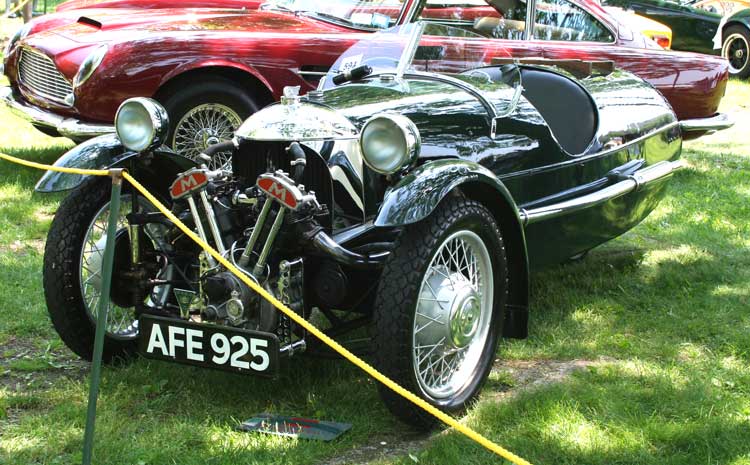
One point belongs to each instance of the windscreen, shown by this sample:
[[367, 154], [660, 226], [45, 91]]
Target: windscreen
[[459, 55], [369, 14]]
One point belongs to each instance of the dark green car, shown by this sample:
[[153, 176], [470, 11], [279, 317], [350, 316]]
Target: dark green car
[[411, 193], [695, 30]]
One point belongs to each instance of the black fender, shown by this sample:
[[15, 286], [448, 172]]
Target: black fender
[[155, 169], [417, 195]]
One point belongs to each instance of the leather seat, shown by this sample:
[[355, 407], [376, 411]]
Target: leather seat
[[566, 107]]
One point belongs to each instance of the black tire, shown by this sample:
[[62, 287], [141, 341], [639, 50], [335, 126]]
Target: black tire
[[179, 101], [61, 275], [736, 49], [397, 298]]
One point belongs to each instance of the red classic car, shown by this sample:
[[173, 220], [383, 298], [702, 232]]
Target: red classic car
[[211, 67]]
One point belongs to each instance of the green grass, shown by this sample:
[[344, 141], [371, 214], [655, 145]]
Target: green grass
[[664, 312]]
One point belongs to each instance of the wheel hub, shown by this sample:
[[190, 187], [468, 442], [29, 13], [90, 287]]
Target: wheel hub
[[455, 309], [206, 137], [740, 54], [464, 319]]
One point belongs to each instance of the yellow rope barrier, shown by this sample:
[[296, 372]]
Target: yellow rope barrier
[[58, 169], [310, 328], [16, 9]]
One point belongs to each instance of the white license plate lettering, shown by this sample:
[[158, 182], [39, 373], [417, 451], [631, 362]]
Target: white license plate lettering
[[239, 353], [217, 347], [220, 345], [256, 346]]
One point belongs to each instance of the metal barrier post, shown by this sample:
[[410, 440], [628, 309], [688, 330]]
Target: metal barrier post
[[101, 320]]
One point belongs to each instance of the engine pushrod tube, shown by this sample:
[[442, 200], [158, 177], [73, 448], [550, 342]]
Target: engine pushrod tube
[[199, 227], [637, 181], [245, 259], [215, 232], [324, 243], [275, 227]]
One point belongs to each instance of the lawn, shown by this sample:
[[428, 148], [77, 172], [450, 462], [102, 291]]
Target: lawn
[[638, 354]]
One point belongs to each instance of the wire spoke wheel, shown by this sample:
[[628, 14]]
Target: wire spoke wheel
[[735, 50], [121, 322], [203, 126], [453, 315]]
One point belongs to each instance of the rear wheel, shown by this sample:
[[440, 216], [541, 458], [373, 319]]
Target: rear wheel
[[439, 309], [736, 50], [207, 113]]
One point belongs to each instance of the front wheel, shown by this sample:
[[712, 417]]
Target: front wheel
[[72, 275], [439, 309], [736, 50]]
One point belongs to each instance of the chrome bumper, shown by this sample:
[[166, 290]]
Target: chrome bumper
[[68, 127], [639, 180], [714, 123]]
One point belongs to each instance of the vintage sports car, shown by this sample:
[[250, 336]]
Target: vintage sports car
[[697, 29], [412, 192], [211, 68]]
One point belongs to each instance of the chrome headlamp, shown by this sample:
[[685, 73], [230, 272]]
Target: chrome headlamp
[[20, 34], [141, 124], [389, 142], [90, 64]]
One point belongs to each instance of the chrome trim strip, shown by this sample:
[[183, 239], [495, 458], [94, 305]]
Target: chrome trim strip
[[713, 123], [578, 159], [312, 73], [68, 127], [638, 181]]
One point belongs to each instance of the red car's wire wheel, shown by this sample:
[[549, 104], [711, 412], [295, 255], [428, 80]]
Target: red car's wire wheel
[[203, 126]]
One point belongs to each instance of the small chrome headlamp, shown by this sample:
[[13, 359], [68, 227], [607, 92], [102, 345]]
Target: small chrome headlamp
[[141, 124], [89, 65], [20, 34], [389, 142]]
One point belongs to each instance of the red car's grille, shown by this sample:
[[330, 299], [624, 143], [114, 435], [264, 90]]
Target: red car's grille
[[38, 73]]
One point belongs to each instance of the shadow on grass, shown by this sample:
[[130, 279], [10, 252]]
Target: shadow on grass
[[678, 278], [638, 413]]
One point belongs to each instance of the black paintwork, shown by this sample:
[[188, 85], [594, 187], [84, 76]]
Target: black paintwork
[[524, 163], [522, 166], [693, 29]]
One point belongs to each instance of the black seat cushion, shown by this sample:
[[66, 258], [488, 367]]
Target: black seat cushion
[[566, 107]]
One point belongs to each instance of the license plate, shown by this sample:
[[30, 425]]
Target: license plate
[[203, 345]]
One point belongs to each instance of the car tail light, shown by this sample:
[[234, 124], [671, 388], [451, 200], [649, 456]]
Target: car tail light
[[663, 41]]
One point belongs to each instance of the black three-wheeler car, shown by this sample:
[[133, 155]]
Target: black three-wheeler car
[[412, 193]]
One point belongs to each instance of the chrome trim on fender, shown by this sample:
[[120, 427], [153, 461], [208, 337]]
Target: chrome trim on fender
[[68, 127], [713, 123], [638, 181]]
